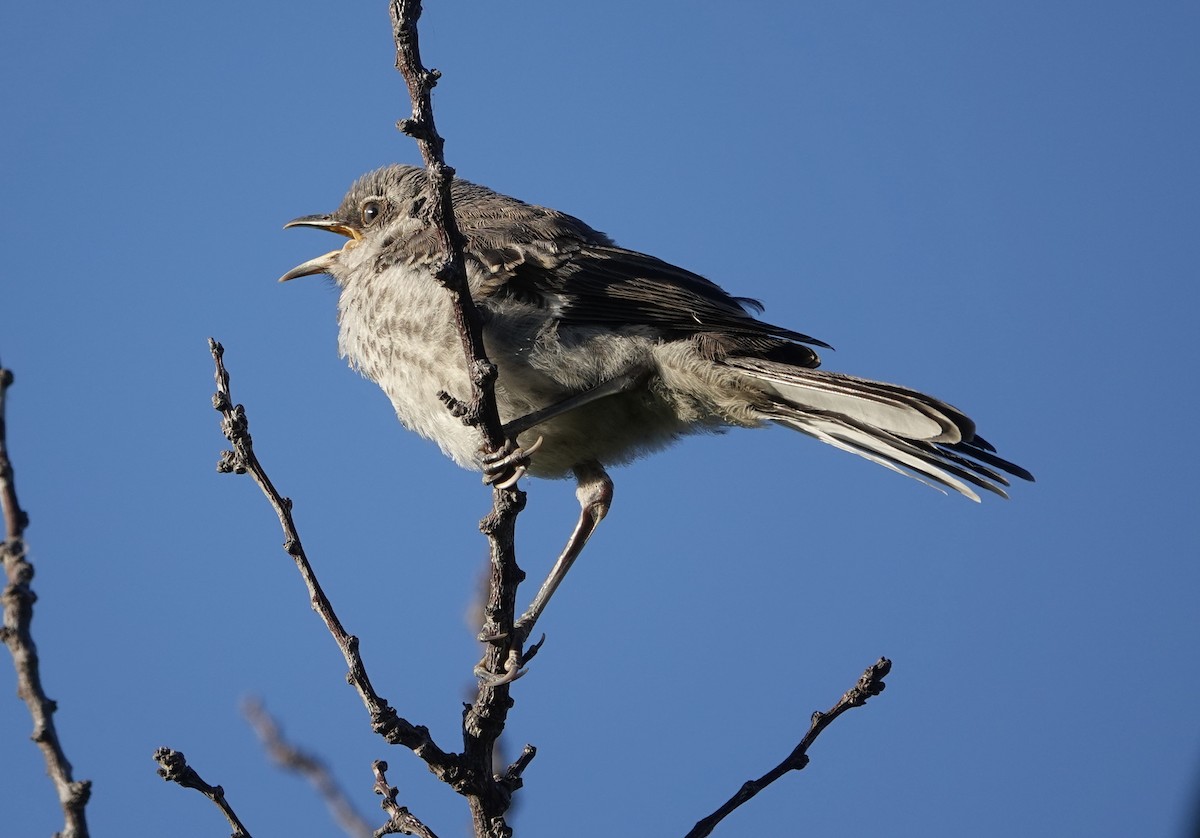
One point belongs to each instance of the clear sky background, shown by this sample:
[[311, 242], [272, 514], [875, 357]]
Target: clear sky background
[[996, 203]]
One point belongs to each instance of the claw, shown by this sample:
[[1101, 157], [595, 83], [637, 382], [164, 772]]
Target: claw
[[497, 464], [517, 474], [513, 669], [514, 666]]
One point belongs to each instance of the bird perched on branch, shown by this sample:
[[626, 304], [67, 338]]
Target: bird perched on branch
[[603, 353]]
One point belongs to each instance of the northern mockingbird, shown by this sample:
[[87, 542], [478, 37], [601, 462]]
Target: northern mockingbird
[[603, 353]]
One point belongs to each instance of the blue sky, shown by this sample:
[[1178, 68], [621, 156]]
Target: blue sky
[[996, 203]]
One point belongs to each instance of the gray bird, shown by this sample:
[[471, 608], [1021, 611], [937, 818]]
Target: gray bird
[[603, 353]]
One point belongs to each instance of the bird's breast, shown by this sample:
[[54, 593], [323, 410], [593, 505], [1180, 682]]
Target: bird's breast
[[398, 330]]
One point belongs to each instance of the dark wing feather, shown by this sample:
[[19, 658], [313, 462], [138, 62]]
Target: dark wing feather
[[547, 258], [599, 285]]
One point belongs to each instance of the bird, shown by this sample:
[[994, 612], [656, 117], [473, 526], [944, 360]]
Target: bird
[[603, 354]]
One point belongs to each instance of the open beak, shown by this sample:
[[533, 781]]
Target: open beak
[[322, 264]]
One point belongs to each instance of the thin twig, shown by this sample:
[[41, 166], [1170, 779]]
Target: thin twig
[[484, 719], [384, 720], [18, 598], [871, 683], [400, 820], [312, 768], [173, 767]]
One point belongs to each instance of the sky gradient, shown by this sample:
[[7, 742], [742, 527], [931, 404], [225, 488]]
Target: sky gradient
[[996, 204]]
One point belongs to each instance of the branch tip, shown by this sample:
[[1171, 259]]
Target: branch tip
[[870, 683]]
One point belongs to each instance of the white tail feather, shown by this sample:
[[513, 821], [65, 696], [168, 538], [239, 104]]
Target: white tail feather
[[897, 410], [901, 429]]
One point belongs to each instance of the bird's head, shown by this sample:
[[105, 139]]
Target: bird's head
[[380, 208]]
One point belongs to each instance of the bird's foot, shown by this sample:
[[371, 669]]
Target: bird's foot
[[514, 663], [503, 468]]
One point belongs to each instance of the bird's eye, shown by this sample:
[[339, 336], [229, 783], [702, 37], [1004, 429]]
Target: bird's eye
[[371, 210]]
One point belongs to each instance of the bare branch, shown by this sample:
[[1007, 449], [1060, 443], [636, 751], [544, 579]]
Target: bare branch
[[312, 768], [871, 683], [484, 719], [18, 598], [173, 767], [400, 820], [384, 720]]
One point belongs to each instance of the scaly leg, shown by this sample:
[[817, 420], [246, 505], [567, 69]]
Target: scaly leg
[[594, 490], [595, 493], [620, 384]]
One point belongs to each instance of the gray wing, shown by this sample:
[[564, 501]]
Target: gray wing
[[548, 259], [602, 285]]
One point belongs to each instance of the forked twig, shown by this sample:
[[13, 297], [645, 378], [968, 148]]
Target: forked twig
[[485, 717], [400, 820]]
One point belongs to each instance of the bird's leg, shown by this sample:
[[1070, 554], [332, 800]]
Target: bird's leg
[[619, 384], [594, 489], [595, 492]]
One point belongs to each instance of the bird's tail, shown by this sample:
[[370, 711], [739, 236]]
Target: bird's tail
[[901, 429]]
